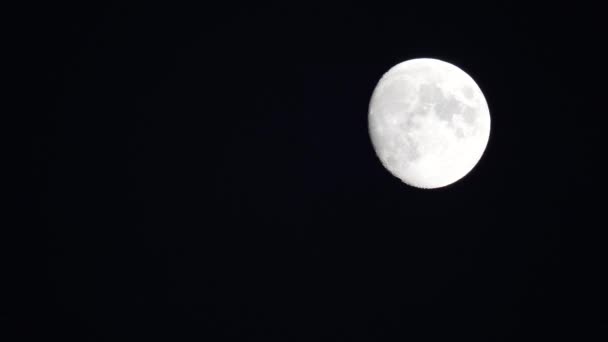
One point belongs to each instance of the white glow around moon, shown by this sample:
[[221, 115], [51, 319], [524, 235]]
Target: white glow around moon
[[429, 122]]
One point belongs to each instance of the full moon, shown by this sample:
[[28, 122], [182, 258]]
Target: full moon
[[429, 122]]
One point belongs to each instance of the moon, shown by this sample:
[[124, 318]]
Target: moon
[[429, 122]]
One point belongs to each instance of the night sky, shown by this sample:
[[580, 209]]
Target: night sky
[[205, 173]]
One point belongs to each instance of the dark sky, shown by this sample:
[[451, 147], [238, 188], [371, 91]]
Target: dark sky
[[204, 173]]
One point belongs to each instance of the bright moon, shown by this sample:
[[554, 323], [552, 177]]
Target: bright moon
[[429, 122]]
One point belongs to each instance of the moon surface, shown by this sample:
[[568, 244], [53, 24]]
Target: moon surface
[[429, 122]]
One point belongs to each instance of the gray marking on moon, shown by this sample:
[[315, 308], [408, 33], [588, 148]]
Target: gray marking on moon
[[433, 98], [467, 92], [447, 107], [429, 93], [469, 114], [459, 132]]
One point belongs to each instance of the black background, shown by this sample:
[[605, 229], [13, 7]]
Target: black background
[[204, 173]]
